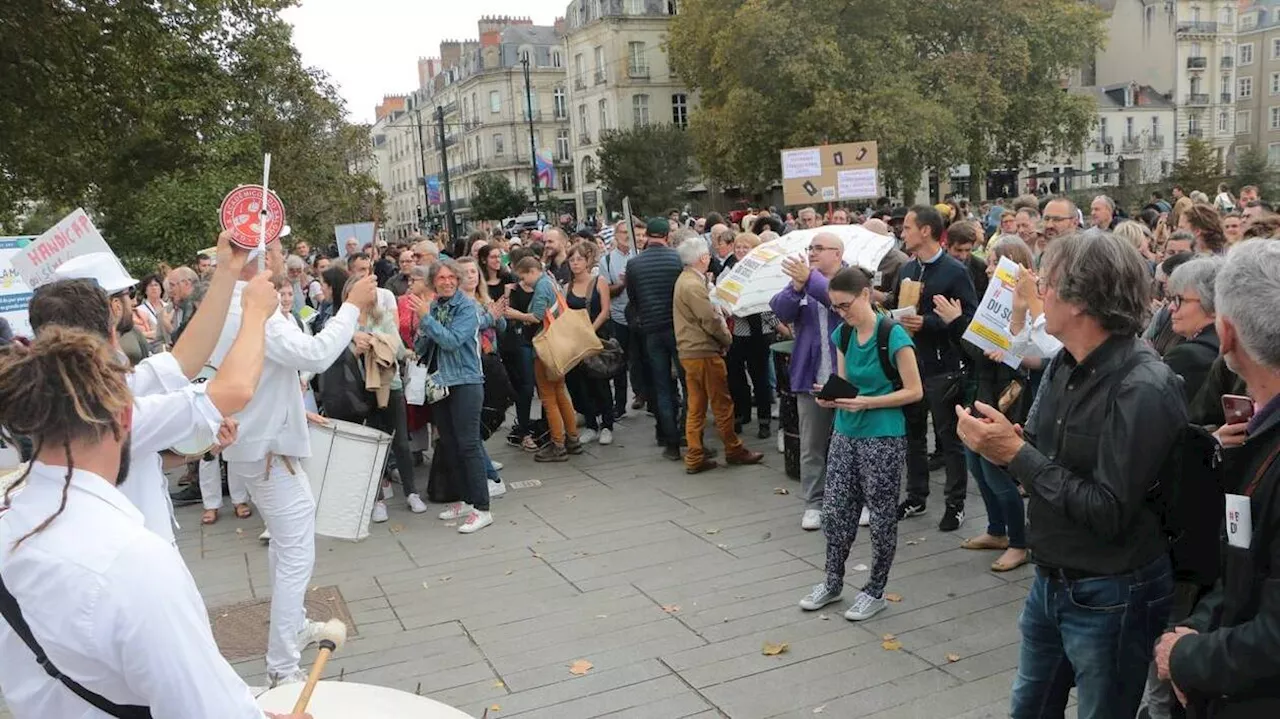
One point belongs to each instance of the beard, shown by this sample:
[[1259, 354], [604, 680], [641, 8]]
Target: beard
[[125, 459], [125, 325]]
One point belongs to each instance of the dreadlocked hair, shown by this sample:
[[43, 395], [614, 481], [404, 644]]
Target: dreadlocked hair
[[65, 387]]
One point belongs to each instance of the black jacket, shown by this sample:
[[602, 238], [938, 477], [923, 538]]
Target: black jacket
[[1191, 360], [1235, 653], [1101, 433], [938, 343], [651, 285], [1206, 407]]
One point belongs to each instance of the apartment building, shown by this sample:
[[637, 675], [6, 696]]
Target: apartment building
[[1257, 119], [618, 77]]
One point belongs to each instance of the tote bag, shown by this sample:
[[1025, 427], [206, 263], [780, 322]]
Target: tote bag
[[566, 338]]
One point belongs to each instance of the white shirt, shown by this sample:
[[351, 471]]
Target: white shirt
[[1034, 341], [275, 420], [112, 604]]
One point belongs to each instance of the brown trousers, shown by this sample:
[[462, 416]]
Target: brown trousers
[[708, 382]]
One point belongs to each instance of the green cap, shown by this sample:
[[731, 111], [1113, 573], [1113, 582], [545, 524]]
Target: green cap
[[658, 227]]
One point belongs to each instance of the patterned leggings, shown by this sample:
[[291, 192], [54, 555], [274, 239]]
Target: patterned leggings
[[862, 471]]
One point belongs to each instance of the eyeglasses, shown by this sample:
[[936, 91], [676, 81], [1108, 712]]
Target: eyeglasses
[[1057, 218], [1176, 302], [841, 306], [820, 248]]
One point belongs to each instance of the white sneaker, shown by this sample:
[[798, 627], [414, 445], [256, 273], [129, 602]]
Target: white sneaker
[[497, 489], [476, 521], [497, 466], [781, 446], [416, 505], [295, 677], [387, 491], [587, 436], [606, 436], [457, 510], [811, 520], [865, 519], [265, 536], [865, 606], [379, 512], [310, 634]]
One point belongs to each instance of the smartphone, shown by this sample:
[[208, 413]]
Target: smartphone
[[1237, 409]]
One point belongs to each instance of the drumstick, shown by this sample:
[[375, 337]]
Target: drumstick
[[263, 216], [332, 637]]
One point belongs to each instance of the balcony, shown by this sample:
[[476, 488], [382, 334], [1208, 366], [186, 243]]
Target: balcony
[[1104, 144], [1225, 98], [1155, 141], [451, 108], [579, 83], [472, 124], [1197, 99], [1197, 63], [599, 78], [1226, 62], [536, 116], [1197, 28], [1195, 132], [1130, 144], [638, 72]]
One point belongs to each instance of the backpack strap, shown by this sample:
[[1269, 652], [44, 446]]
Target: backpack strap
[[883, 329], [12, 614]]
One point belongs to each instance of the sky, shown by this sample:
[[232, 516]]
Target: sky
[[370, 48]]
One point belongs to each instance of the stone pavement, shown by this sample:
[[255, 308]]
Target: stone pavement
[[669, 585]]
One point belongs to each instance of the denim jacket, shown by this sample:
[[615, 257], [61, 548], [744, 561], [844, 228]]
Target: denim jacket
[[452, 329]]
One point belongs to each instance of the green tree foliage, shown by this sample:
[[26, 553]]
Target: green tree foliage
[[147, 114], [496, 199], [1252, 168], [935, 84], [1199, 169], [651, 164]]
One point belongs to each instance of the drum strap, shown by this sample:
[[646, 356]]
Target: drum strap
[[288, 464], [12, 614]]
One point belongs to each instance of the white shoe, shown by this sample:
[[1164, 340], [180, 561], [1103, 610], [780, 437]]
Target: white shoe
[[387, 491], [379, 512], [265, 536], [781, 447], [310, 634], [587, 436], [811, 520], [476, 521], [497, 466], [457, 510], [865, 519], [496, 489], [606, 436], [416, 505], [295, 677]]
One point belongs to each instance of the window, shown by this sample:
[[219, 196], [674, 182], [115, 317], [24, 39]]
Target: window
[[637, 64], [495, 101], [680, 110], [634, 7], [604, 115], [672, 7], [1195, 50], [588, 169], [1128, 129], [599, 53], [1246, 53], [1275, 48], [566, 180], [1243, 121], [1224, 122], [1245, 87], [1275, 83], [579, 70], [1273, 153], [530, 105], [556, 60], [1224, 17], [583, 130], [562, 144], [1226, 87], [639, 110], [1193, 125], [498, 145], [1275, 117], [1102, 131], [562, 111]]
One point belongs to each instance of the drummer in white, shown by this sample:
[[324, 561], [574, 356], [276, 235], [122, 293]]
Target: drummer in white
[[109, 606], [273, 439]]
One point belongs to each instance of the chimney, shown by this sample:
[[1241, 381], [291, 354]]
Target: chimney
[[450, 54], [428, 67], [560, 26], [389, 104]]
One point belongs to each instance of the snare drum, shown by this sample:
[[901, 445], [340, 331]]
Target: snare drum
[[345, 469], [349, 700], [201, 439]]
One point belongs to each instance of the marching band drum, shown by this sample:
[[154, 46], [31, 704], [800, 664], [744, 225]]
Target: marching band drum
[[350, 700], [345, 469]]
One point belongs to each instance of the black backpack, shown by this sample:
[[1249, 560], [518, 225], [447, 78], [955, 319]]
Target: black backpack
[[883, 329], [342, 393]]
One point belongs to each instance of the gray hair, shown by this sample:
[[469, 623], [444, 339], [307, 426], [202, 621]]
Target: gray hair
[[682, 234], [1248, 294], [1197, 275], [692, 249], [442, 263], [1104, 276], [1199, 197], [1111, 205], [422, 272], [293, 262]]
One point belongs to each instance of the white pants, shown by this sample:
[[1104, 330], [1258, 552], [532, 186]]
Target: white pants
[[211, 485], [284, 499]]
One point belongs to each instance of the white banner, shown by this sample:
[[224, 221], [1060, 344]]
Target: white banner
[[74, 235]]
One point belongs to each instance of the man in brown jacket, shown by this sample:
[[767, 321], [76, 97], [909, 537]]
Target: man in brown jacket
[[701, 339]]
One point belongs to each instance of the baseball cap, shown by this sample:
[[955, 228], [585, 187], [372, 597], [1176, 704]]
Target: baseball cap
[[101, 267], [658, 227]]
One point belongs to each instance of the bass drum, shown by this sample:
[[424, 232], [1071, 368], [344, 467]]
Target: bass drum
[[201, 439], [348, 700]]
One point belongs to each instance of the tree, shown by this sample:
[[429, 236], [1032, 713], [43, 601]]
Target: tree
[[1200, 169], [1252, 168], [932, 91], [496, 199], [651, 164]]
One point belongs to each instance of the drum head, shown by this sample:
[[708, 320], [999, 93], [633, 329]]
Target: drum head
[[200, 441], [345, 700]]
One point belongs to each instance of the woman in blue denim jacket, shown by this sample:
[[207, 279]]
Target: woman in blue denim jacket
[[449, 337]]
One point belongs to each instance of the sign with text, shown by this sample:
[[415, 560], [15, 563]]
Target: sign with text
[[829, 173], [243, 214], [15, 295], [74, 235], [989, 328]]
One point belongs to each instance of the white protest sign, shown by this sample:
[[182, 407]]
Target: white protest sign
[[989, 328], [15, 295], [74, 235], [798, 164]]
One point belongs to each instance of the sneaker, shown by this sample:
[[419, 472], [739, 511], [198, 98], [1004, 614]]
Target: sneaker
[[952, 516], [865, 606], [672, 453], [294, 677], [188, 495], [552, 453], [310, 634], [819, 598], [746, 456], [587, 436], [529, 444], [497, 489], [476, 521], [606, 436], [773, 411], [379, 512], [865, 519], [515, 440], [265, 537], [387, 491], [638, 402], [416, 505], [573, 446], [497, 466], [764, 431], [457, 510], [811, 520], [910, 508]]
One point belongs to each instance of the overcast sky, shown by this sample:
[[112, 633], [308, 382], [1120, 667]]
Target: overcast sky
[[370, 48]]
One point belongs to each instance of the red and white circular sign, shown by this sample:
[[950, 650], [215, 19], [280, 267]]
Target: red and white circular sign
[[242, 213]]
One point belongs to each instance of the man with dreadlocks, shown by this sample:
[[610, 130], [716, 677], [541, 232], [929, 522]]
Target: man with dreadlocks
[[101, 617]]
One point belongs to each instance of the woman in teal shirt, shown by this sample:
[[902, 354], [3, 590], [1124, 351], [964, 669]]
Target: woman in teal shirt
[[868, 443]]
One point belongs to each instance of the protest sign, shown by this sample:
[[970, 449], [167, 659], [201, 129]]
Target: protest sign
[[15, 295], [74, 235], [241, 212], [989, 328], [828, 173], [362, 232]]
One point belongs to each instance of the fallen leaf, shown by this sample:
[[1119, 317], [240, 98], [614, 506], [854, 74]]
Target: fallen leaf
[[397, 528], [781, 490], [723, 546], [537, 556], [911, 542], [239, 530], [893, 597], [445, 579], [892, 645], [772, 650], [823, 617], [495, 708], [953, 657], [498, 684], [670, 608], [766, 536], [570, 496], [889, 637], [580, 667], [509, 571], [448, 524], [859, 567], [602, 616], [426, 586], [713, 530], [819, 710]]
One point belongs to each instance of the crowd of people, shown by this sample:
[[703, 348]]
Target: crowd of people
[[1122, 439]]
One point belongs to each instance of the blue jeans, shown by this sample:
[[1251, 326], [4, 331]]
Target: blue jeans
[[1097, 634], [458, 419], [1005, 514], [660, 350]]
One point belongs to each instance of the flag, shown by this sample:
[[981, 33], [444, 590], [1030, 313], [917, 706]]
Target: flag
[[433, 189], [546, 169]]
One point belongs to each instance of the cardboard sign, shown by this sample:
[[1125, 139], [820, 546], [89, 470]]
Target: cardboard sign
[[74, 235], [829, 173], [242, 213], [361, 232], [15, 295], [989, 328]]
